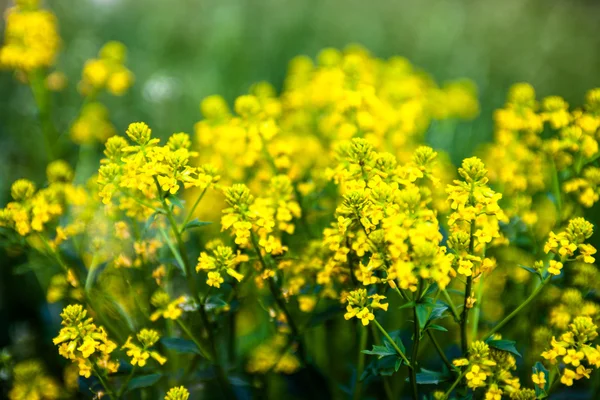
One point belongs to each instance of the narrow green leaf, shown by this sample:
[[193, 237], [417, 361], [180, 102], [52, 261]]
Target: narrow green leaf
[[176, 201], [398, 364], [533, 271], [174, 250], [410, 304], [427, 377], [143, 381], [180, 345], [422, 311], [195, 223], [437, 327]]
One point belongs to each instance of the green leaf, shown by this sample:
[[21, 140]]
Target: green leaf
[[506, 345], [395, 335], [539, 367], [422, 311], [410, 304], [27, 267], [174, 250], [93, 274], [398, 364], [176, 201], [533, 271], [437, 327], [381, 351], [180, 345], [215, 302], [385, 366], [427, 377], [438, 311], [143, 381], [195, 223]]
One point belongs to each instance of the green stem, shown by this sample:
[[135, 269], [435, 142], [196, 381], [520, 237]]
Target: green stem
[[416, 342], [510, 316], [191, 213], [42, 100], [280, 302], [452, 306], [361, 361], [556, 190], [205, 353], [456, 382], [124, 386], [440, 351], [394, 345], [464, 319], [102, 381], [191, 280], [477, 308]]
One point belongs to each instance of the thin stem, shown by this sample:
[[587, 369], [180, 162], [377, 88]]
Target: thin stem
[[464, 319], [518, 309], [456, 382], [191, 280], [361, 361], [452, 306], [205, 353], [191, 213], [440, 351], [556, 190], [102, 381], [394, 345], [415, 347], [280, 302], [477, 308], [386, 383], [124, 386], [42, 100]]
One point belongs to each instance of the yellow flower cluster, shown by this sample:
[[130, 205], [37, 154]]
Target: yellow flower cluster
[[222, 261], [92, 125], [140, 353], [574, 349], [525, 161], [571, 305], [361, 306], [84, 343], [273, 355], [32, 210], [474, 221], [32, 382], [166, 308], [31, 37], [139, 175], [261, 221], [491, 368], [565, 244], [107, 72], [177, 393], [386, 218], [346, 95]]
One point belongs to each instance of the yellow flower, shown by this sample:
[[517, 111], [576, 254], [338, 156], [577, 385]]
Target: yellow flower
[[567, 377], [475, 376], [214, 279], [539, 379], [555, 267]]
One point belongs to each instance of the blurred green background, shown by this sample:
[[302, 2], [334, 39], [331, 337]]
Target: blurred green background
[[181, 51]]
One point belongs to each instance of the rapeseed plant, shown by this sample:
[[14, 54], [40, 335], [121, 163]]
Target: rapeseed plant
[[326, 204]]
